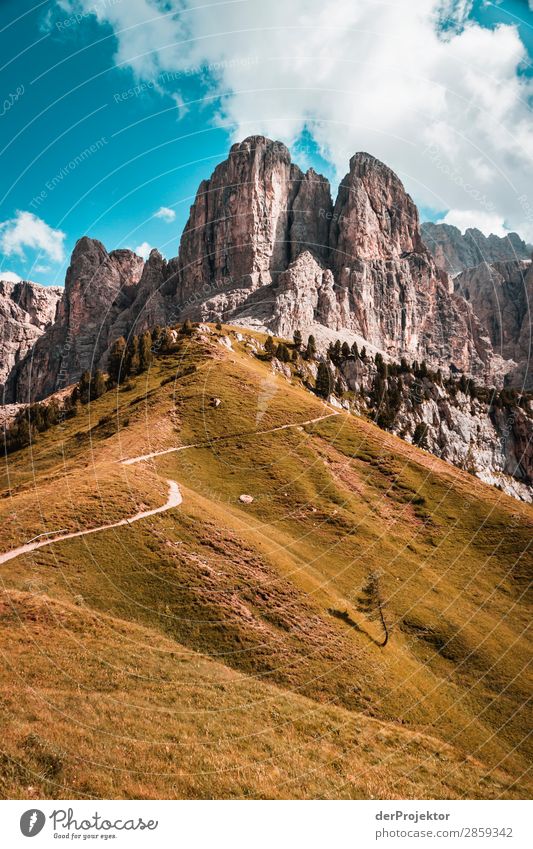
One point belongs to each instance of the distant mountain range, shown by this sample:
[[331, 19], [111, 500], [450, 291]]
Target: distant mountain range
[[455, 251]]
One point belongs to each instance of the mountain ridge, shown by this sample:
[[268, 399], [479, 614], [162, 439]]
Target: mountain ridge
[[368, 272]]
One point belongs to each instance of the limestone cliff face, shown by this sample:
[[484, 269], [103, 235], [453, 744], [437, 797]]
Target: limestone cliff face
[[501, 296], [98, 287], [265, 246], [26, 310], [388, 287], [454, 251], [254, 215]]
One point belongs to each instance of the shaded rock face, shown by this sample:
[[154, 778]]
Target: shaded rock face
[[26, 310], [454, 252], [501, 295], [98, 287], [264, 246]]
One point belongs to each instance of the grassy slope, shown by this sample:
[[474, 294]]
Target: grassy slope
[[257, 589]]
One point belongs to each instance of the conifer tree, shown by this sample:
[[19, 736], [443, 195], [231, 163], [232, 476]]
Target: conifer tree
[[270, 347], [323, 380], [310, 352], [116, 361], [98, 384], [371, 603], [132, 356], [83, 390], [145, 351], [282, 353]]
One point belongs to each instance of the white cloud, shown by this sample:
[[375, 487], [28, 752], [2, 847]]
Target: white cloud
[[143, 250], [446, 109], [10, 276], [26, 230], [484, 221], [165, 213]]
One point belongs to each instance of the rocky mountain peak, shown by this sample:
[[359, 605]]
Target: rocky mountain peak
[[374, 217], [264, 245], [454, 251]]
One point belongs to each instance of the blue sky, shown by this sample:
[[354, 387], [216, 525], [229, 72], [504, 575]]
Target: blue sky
[[115, 110]]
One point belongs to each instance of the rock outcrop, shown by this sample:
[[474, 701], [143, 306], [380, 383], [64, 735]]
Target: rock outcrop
[[264, 246], [501, 296], [454, 251], [26, 310], [254, 215], [99, 286], [388, 287], [489, 437]]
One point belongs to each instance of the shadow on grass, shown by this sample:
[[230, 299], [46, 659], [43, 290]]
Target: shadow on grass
[[344, 616]]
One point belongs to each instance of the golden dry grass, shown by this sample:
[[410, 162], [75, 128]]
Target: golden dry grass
[[265, 595]]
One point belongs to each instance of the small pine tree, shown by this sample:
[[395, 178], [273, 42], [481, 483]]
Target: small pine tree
[[167, 340], [116, 361], [380, 365], [98, 385], [295, 355], [323, 381], [23, 433], [145, 351], [297, 338], [218, 326], [187, 327], [52, 413], [310, 351], [371, 603], [132, 356], [345, 350], [270, 347], [420, 435], [363, 354], [355, 350], [282, 353], [339, 388], [157, 338], [83, 389]]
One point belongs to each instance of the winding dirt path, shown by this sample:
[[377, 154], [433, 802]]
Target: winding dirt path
[[174, 494]]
